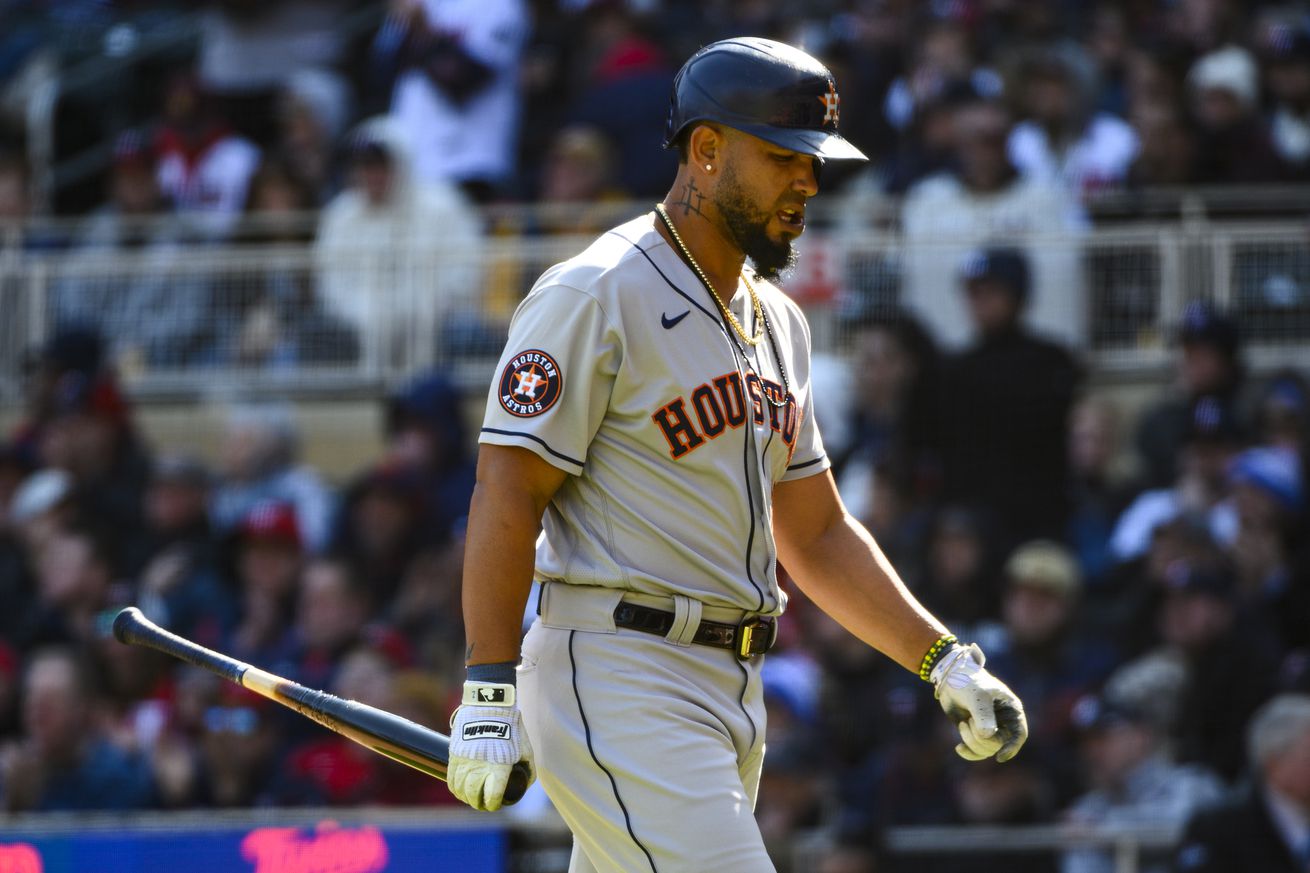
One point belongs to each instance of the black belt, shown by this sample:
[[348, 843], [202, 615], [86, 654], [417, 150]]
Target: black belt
[[753, 635]]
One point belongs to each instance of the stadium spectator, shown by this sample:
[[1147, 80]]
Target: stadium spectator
[[257, 462], [178, 579], [397, 257], [1234, 147], [944, 61], [93, 437], [267, 557], [1285, 46], [268, 313], [578, 173], [240, 737], [385, 521], [71, 349], [74, 574], [1167, 149], [313, 110], [1200, 488], [1044, 650], [335, 771], [1208, 364], [153, 314], [1062, 138], [203, 167], [959, 577], [1266, 827], [332, 607], [1132, 777], [250, 49], [456, 98], [1228, 657], [624, 97], [887, 413], [1099, 490], [1009, 375], [63, 761], [981, 199], [426, 437]]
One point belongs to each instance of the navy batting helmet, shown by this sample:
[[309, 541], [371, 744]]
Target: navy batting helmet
[[767, 89]]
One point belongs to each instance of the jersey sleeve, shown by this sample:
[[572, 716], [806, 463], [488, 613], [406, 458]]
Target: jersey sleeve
[[553, 382]]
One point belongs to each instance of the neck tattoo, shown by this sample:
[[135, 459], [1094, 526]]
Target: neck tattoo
[[762, 325]]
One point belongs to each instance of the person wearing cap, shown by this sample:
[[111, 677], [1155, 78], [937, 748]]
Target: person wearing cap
[[1285, 52], [1199, 489], [1266, 827], [1208, 365], [154, 314], [979, 199], [1234, 147], [1005, 405], [1230, 657], [649, 453], [179, 584], [1063, 138], [268, 552], [381, 267], [1132, 778]]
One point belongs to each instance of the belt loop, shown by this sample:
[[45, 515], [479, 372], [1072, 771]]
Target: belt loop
[[686, 619]]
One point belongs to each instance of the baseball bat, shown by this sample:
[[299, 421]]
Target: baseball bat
[[387, 734]]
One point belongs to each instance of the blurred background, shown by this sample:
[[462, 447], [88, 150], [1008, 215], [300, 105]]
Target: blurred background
[[257, 259]]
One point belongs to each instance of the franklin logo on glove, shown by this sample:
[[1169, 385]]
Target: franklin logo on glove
[[476, 729]]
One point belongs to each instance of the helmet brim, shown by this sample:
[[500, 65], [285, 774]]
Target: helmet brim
[[819, 143]]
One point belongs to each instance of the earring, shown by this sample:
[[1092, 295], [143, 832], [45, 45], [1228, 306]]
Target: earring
[[709, 168]]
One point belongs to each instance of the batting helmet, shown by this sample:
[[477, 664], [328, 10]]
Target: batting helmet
[[767, 89]]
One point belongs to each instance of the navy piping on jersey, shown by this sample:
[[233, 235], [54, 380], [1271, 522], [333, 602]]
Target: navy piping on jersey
[[586, 728], [804, 465], [746, 432], [712, 316], [536, 439]]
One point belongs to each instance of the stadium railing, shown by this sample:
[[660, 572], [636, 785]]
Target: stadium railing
[[187, 320]]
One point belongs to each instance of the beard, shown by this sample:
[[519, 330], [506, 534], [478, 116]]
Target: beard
[[747, 224]]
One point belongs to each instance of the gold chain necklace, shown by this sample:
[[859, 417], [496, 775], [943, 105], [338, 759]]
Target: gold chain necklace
[[723, 307]]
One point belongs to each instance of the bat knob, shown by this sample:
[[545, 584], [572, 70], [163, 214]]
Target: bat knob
[[125, 622], [517, 785]]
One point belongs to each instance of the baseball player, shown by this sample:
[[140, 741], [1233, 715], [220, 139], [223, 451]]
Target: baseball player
[[652, 418]]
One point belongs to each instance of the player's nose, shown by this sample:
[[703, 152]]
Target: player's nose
[[807, 178]]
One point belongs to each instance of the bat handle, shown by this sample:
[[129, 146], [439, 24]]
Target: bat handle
[[517, 785]]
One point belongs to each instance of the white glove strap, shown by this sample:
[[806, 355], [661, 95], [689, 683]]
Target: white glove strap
[[488, 694], [957, 666]]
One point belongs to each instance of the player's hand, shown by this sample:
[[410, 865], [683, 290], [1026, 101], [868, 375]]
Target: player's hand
[[988, 715], [486, 740]]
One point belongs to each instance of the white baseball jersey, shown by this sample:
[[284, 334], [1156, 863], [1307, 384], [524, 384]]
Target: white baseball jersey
[[620, 371]]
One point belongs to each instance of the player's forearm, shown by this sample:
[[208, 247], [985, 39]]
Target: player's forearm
[[499, 556], [847, 575]]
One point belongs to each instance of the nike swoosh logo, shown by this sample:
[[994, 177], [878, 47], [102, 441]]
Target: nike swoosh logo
[[670, 323]]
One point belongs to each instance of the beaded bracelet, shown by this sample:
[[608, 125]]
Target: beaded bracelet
[[934, 655]]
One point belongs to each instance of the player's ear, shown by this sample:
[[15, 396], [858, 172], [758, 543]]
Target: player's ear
[[705, 147]]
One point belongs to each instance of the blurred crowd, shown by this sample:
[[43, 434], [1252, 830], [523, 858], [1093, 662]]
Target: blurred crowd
[[371, 135], [1139, 574]]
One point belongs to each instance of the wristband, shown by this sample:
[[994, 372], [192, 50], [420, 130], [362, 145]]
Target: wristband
[[500, 673], [935, 654]]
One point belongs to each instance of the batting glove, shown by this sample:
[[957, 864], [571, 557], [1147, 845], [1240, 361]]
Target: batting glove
[[486, 740], [988, 715]]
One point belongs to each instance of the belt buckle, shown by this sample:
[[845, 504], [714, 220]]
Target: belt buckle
[[746, 631]]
